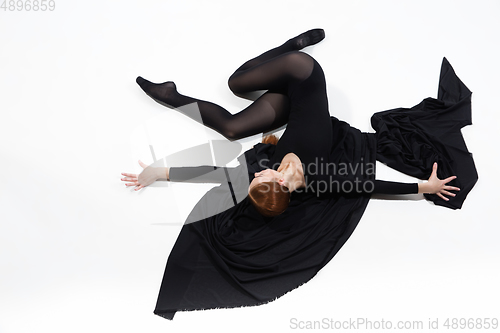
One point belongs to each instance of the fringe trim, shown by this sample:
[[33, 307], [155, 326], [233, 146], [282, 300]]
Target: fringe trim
[[165, 313]]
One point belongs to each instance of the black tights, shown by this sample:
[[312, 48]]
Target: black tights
[[273, 71]]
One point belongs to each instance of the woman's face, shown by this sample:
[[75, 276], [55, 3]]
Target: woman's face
[[267, 175]]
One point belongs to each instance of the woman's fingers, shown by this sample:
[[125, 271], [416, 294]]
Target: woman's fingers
[[127, 179], [135, 184], [448, 193], [133, 179], [449, 179], [130, 178], [434, 170], [145, 177], [451, 188], [129, 174], [442, 196]]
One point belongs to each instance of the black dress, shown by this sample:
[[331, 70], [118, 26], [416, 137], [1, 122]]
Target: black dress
[[230, 256]]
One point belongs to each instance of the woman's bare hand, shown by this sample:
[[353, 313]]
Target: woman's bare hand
[[147, 177], [438, 186]]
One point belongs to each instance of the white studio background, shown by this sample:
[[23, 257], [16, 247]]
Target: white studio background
[[79, 252]]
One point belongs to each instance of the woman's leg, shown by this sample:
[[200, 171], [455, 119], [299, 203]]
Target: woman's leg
[[271, 71], [268, 112], [297, 43], [273, 74]]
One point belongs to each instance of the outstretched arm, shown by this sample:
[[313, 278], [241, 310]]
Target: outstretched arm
[[350, 184], [150, 174], [434, 185]]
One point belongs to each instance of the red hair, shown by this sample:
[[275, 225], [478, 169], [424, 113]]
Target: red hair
[[269, 198], [271, 139]]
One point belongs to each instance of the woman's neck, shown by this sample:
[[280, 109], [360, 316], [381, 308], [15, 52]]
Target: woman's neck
[[293, 173]]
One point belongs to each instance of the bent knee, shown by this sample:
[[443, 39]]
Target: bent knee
[[233, 85], [301, 64], [298, 56], [232, 136], [230, 133]]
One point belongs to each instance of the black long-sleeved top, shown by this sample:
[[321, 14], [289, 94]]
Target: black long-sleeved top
[[213, 174]]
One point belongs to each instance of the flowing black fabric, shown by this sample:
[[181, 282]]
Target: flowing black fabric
[[411, 140], [237, 257]]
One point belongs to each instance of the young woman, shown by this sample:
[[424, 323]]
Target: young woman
[[296, 95], [301, 209]]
